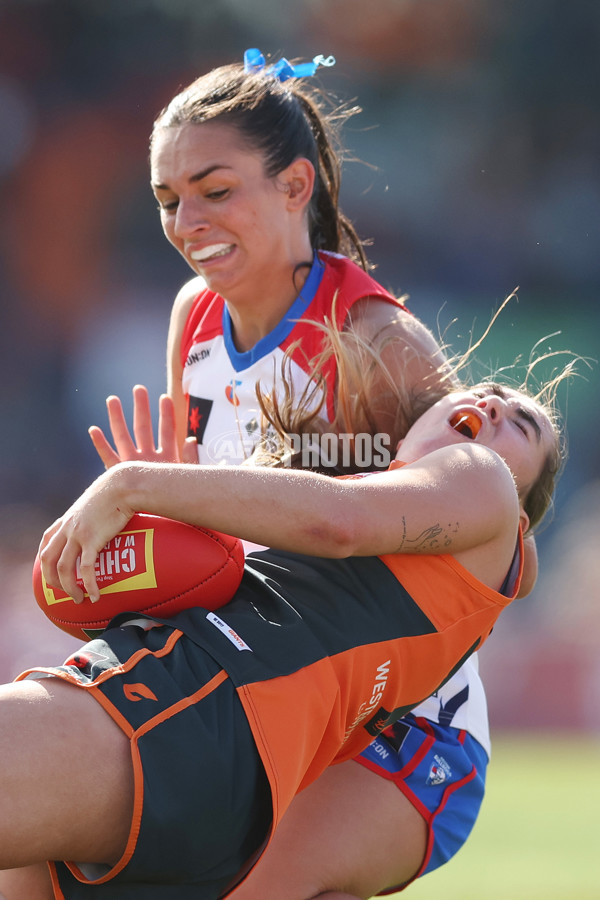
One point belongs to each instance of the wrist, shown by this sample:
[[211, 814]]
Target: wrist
[[126, 485]]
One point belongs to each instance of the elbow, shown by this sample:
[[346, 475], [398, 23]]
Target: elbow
[[334, 538]]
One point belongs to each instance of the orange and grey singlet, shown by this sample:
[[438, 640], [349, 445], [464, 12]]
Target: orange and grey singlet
[[324, 653], [229, 716], [220, 382]]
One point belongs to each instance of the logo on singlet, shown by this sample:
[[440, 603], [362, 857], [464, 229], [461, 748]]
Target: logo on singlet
[[228, 631], [195, 356], [368, 706], [439, 772], [198, 412], [231, 392]]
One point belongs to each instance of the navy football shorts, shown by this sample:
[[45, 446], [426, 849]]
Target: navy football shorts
[[202, 803]]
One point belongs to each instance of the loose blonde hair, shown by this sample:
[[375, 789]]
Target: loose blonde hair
[[363, 378], [369, 399]]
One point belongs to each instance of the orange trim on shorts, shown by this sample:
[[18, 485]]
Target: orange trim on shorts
[[200, 694], [134, 736], [140, 654], [138, 774], [56, 888]]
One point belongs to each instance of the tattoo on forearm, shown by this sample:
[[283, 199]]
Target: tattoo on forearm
[[435, 537]]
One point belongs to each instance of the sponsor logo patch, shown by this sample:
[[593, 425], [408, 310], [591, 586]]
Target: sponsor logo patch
[[138, 692], [228, 631], [439, 772], [231, 392]]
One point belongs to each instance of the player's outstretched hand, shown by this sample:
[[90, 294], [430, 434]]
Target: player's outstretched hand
[[141, 446]]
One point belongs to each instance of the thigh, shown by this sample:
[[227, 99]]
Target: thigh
[[63, 763], [27, 883], [201, 800], [351, 832]]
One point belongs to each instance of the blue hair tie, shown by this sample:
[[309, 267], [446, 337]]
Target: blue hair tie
[[254, 61]]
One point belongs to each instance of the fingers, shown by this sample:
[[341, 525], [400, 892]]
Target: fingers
[[48, 534], [141, 446], [58, 560], [103, 448], [142, 422], [87, 571], [66, 568], [189, 454], [167, 429], [124, 443]]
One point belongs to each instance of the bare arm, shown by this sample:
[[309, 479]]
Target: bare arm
[[179, 314], [452, 501]]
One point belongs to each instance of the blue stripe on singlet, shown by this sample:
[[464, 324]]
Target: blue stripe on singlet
[[271, 341]]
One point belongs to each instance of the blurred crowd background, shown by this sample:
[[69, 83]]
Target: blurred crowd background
[[473, 168]]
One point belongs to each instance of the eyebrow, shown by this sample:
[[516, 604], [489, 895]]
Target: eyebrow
[[524, 414], [531, 419], [193, 179]]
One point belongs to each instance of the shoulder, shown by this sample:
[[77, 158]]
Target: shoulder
[[466, 470], [186, 295], [352, 284], [369, 315], [182, 306], [474, 476], [468, 491], [407, 344], [467, 459]]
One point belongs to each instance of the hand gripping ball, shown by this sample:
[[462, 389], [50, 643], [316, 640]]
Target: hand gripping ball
[[156, 566]]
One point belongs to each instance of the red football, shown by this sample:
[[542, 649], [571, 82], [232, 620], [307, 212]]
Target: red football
[[155, 566]]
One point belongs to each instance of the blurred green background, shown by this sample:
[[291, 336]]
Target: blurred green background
[[474, 169], [536, 836]]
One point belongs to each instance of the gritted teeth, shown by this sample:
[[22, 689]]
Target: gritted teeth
[[211, 252], [466, 423]]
